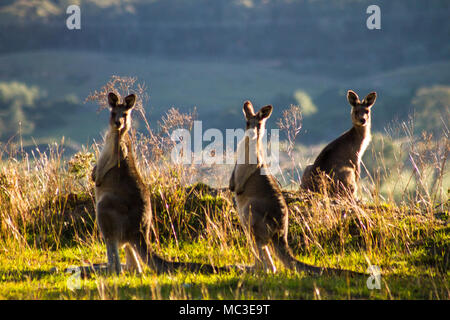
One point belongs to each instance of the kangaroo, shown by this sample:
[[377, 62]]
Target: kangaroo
[[262, 210], [340, 159], [123, 208]]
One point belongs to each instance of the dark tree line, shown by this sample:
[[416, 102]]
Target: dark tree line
[[412, 31]]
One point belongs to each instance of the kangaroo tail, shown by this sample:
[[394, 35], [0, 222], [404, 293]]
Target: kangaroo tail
[[284, 253], [160, 265]]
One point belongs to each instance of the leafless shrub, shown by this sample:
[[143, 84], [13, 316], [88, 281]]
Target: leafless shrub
[[291, 124], [121, 86], [159, 141]]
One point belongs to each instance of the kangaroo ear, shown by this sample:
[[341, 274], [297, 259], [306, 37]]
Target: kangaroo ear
[[369, 100], [112, 99], [352, 98], [265, 112], [248, 110], [130, 101]]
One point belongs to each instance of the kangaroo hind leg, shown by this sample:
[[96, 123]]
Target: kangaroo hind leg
[[132, 260], [264, 259], [112, 251], [269, 264]]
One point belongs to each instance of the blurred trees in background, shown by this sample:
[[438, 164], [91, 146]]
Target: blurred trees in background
[[25, 108], [412, 31]]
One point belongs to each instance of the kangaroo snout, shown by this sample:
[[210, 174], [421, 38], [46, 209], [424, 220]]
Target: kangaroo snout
[[362, 119], [118, 123]]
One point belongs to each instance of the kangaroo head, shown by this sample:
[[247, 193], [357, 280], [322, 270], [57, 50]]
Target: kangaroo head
[[256, 122], [120, 118], [361, 109]]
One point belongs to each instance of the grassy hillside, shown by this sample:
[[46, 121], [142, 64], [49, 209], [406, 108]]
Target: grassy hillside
[[47, 224]]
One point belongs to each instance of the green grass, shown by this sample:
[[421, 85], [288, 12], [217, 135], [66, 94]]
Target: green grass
[[26, 274], [410, 247], [47, 223]]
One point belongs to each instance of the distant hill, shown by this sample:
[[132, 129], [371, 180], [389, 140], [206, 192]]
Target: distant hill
[[63, 79]]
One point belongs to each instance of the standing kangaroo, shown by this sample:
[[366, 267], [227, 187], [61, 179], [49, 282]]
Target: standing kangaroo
[[262, 210], [124, 213], [340, 159]]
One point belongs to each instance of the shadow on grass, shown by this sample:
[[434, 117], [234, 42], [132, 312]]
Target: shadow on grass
[[24, 275], [51, 284]]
